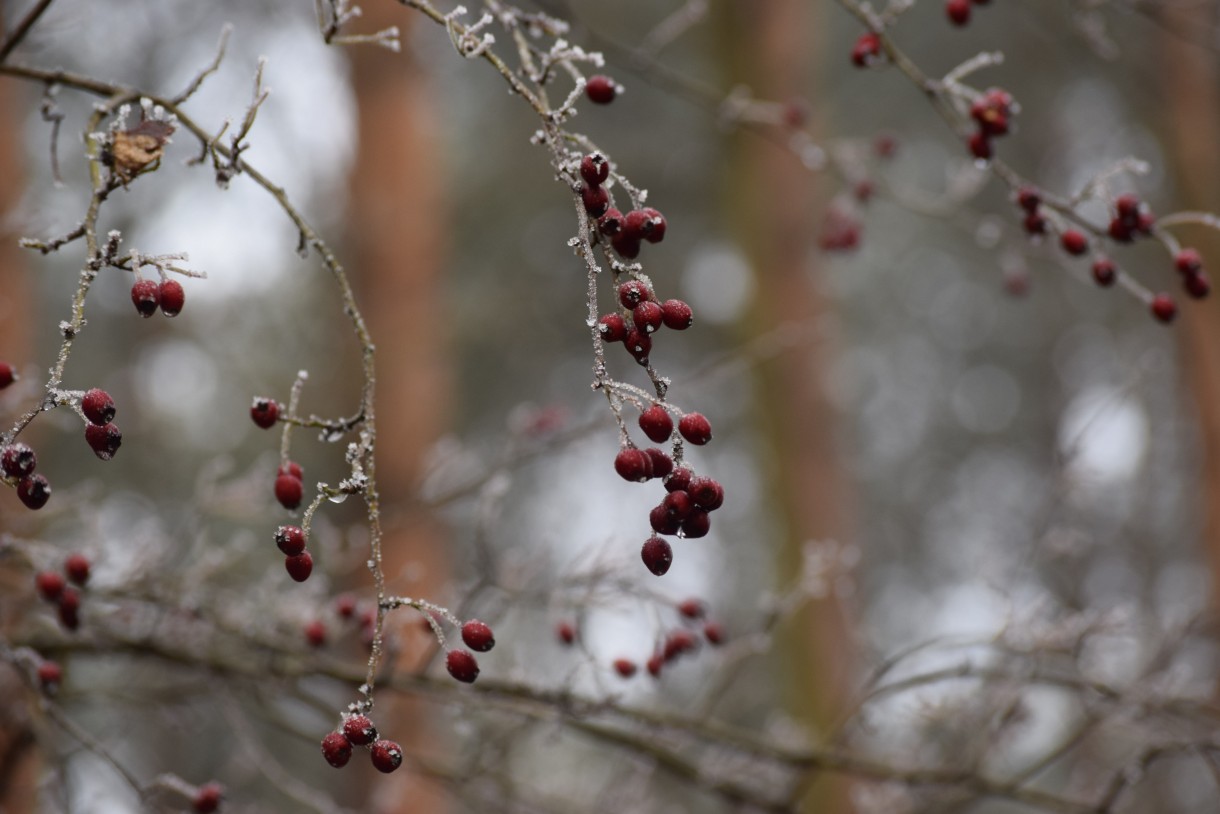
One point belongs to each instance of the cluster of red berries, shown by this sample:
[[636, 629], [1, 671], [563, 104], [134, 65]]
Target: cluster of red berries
[[991, 112], [626, 233], [462, 664], [1189, 266], [692, 613], [601, 89], [958, 11], [359, 730], [103, 436], [1132, 218], [644, 317], [52, 587], [148, 296], [867, 50], [346, 610], [297, 561], [18, 461]]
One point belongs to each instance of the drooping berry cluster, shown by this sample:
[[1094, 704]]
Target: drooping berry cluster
[[103, 437], [991, 112], [148, 296], [51, 586], [297, 561], [628, 232], [359, 730], [18, 461], [642, 316]]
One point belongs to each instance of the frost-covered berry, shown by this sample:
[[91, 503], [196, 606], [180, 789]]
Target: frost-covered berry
[[866, 50], [265, 412], [478, 636], [1074, 242], [635, 224], [612, 327], [679, 480], [638, 344], [595, 199], [648, 316], [611, 223], [290, 539], [1104, 271], [359, 729], [173, 297], [77, 567], [50, 674], [289, 491], [696, 524], [627, 246], [300, 566], [595, 169], [657, 555], [663, 521], [632, 293], [462, 665], [706, 493], [654, 225], [69, 608], [104, 441], [1163, 307], [633, 464], [601, 89], [315, 633], [336, 749], [678, 505], [695, 428], [624, 667], [98, 407], [662, 464], [34, 491], [677, 315], [291, 468], [49, 585], [207, 798], [18, 460], [656, 424], [146, 297], [387, 756]]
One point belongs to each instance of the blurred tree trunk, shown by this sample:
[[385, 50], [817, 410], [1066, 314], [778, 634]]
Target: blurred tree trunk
[[396, 239], [770, 199], [1191, 86]]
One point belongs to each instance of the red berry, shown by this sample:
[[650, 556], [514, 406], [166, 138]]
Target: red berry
[[885, 146], [677, 316], [648, 316], [315, 633], [1104, 271], [18, 460], [1034, 224], [662, 464], [695, 428], [863, 190], [866, 50], [635, 224], [1197, 285], [76, 566], [1127, 206], [69, 608], [706, 493], [958, 11], [633, 464], [50, 674], [291, 468], [478, 636], [655, 662], [345, 606], [654, 225], [991, 111], [696, 524], [1074, 242], [49, 584], [462, 666], [387, 756], [692, 608], [290, 539], [1163, 307], [678, 505], [336, 749], [601, 89], [1188, 261], [632, 293], [265, 412], [173, 297], [613, 328], [624, 667], [34, 491], [359, 730], [595, 199], [565, 632], [657, 555], [146, 297], [638, 344], [713, 632], [595, 169], [289, 491], [626, 245], [664, 521], [611, 223], [980, 145], [98, 407], [1029, 199], [300, 566], [104, 441], [208, 797], [677, 643], [7, 375], [656, 423], [1121, 231]]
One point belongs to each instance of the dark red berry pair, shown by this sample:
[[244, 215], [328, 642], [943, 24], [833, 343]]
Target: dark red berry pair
[[53, 588], [991, 112], [168, 295], [291, 541], [1189, 265], [18, 461], [359, 730], [289, 490]]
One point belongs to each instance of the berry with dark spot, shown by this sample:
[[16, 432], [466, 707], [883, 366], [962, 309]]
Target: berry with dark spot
[[648, 316], [387, 756], [601, 89], [632, 293], [478, 636], [677, 315], [595, 199], [695, 428], [265, 412], [654, 225], [34, 491], [612, 327], [595, 169], [173, 297], [706, 493], [611, 223], [290, 539], [146, 297], [337, 749], [18, 460], [359, 729], [657, 555], [639, 345], [462, 665], [104, 441], [300, 566], [98, 407]]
